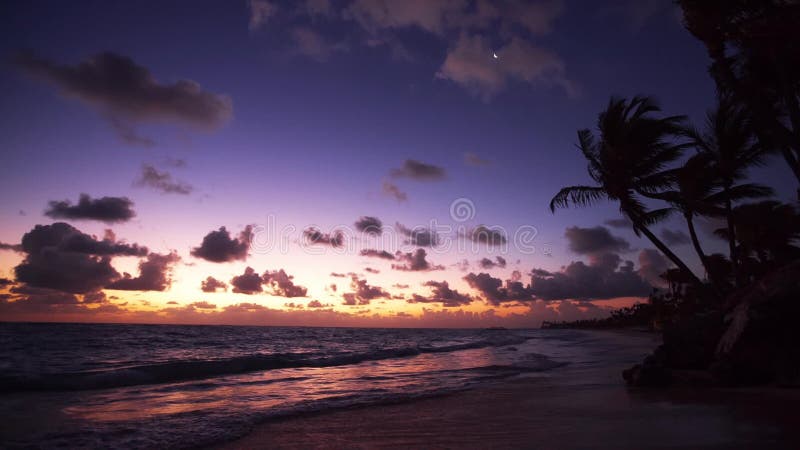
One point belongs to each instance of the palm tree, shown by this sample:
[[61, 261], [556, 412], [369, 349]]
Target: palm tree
[[754, 46], [693, 196], [629, 157], [728, 143], [767, 233]]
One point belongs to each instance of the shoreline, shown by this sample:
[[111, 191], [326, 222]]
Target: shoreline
[[576, 406]]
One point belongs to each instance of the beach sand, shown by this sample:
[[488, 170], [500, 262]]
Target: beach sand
[[571, 407]]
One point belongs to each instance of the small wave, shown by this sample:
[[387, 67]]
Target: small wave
[[177, 371]]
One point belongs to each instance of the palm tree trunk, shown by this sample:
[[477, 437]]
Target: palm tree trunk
[[696, 243], [734, 252], [667, 252]]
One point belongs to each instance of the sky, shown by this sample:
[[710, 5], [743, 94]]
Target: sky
[[372, 162]]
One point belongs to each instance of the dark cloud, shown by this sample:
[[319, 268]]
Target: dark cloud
[[105, 209], [362, 293], [315, 236], [414, 262], [371, 270], [472, 159], [161, 181], [11, 247], [318, 304], [622, 222], [338, 275], [400, 286], [418, 236], [417, 170], [493, 290], [392, 190], [652, 264], [62, 258], [677, 237], [218, 246], [282, 284], [491, 236], [441, 293], [605, 277], [63, 237], [487, 263], [596, 240], [278, 281], [373, 253], [369, 225], [6, 282], [248, 283], [128, 93], [211, 284], [155, 274]]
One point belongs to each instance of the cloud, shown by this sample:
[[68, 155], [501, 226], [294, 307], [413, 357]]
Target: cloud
[[369, 225], [127, 92], [495, 292], [248, 283], [492, 236], [363, 292], [487, 263], [472, 159], [314, 45], [211, 284], [371, 270], [441, 293], [61, 257], [155, 274], [282, 284], [315, 236], [105, 209], [373, 253], [596, 240], [260, 12], [419, 171], [375, 15], [279, 283], [392, 190], [470, 64], [218, 246], [603, 278], [622, 222], [677, 237], [11, 247], [338, 275], [414, 262], [651, 265], [418, 236], [202, 305], [161, 181], [318, 304]]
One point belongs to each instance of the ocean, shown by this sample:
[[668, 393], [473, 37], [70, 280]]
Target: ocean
[[179, 386]]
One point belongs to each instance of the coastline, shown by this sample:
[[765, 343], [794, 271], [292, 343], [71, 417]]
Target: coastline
[[576, 406]]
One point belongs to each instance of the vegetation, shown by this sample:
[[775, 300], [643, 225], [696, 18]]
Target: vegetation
[[654, 166]]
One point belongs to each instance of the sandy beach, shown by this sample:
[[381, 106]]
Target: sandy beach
[[571, 407]]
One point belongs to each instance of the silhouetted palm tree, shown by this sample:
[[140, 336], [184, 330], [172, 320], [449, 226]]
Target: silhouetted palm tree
[[729, 146], [768, 232], [754, 46], [629, 157]]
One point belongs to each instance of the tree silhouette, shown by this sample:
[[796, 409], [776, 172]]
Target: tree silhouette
[[629, 158]]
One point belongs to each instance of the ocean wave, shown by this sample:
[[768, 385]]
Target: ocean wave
[[177, 371]]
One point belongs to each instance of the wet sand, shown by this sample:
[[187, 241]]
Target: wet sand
[[572, 407]]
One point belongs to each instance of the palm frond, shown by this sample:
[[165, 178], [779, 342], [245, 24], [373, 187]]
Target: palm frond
[[577, 195]]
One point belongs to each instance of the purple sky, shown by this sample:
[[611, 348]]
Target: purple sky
[[298, 113]]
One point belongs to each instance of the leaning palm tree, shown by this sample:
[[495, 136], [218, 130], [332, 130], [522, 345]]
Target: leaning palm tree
[[729, 144], [629, 158]]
